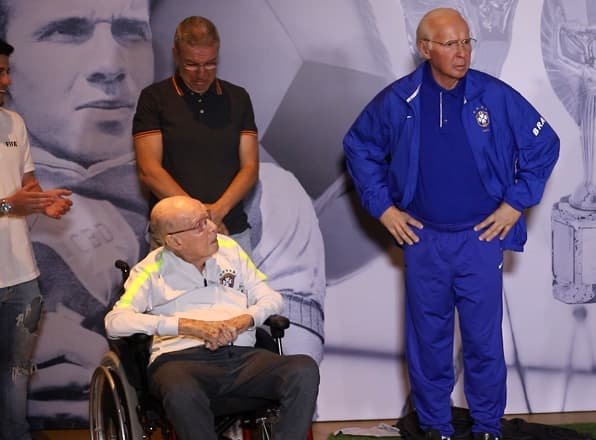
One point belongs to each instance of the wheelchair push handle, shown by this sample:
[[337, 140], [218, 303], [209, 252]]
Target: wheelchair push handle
[[278, 322], [124, 269], [277, 325]]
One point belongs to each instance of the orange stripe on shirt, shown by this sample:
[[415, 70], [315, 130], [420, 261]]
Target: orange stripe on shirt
[[248, 132], [177, 87], [143, 134]]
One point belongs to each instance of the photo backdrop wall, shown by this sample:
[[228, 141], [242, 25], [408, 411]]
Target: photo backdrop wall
[[310, 67]]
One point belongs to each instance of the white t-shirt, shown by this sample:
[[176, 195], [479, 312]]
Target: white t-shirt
[[17, 263]]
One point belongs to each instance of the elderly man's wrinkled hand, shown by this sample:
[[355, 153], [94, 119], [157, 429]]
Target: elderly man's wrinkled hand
[[215, 333], [221, 333], [241, 322]]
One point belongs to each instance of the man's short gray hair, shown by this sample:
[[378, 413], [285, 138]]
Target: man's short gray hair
[[196, 31]]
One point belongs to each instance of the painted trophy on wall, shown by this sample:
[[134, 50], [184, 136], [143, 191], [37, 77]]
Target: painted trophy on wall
[[569, 52]]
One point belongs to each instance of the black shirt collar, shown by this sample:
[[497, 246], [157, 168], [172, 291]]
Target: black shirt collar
[[211, 108], [213, 90]]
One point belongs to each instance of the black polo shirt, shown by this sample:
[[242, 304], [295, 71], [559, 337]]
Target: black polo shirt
[[201, 136]]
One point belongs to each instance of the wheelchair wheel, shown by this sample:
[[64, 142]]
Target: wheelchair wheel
[[259, 427], [107, 407], [261, 431]]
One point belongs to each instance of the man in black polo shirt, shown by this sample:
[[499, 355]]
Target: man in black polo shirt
[[194, 134]]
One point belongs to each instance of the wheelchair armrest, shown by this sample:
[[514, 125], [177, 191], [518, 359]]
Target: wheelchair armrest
[[133, 352], [138, 342], [277, 324]]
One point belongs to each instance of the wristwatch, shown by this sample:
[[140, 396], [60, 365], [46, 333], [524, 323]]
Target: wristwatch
[[5, 207]]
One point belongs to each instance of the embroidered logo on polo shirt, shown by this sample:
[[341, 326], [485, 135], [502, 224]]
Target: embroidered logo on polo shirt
[[482, 118], [227, 277]]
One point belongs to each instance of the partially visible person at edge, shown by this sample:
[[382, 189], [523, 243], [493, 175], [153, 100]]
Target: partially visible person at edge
[[20, 298], [448, 158], [78, 71], [195, 134], [200, 296]]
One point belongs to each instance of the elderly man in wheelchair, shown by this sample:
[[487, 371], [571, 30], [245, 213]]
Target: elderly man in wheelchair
[[201, 298]]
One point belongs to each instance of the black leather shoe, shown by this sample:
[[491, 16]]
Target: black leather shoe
[[486, 436], [433, 434]]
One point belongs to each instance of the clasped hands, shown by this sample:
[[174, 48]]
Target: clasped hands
[[29, 200], [215, 333], [217, 216], [400, 223]]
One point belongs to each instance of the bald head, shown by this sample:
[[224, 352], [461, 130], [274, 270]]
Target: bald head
[[172, 214], [183, 226], [435, 20]]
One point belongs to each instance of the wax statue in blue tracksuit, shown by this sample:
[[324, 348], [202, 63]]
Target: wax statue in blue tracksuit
[[448, 158]]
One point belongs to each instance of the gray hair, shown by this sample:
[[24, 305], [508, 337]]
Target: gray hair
[[196, 31]]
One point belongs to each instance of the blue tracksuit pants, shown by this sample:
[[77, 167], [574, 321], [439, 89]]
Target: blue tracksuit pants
[[446, 270]]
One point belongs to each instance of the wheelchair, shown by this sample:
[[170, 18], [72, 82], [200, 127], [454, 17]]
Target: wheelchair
[[121, 408]]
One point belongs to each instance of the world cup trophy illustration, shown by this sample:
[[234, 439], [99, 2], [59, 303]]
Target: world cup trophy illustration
[[569, 52]]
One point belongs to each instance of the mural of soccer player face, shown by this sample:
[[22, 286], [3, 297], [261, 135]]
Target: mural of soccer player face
[[77, 71]]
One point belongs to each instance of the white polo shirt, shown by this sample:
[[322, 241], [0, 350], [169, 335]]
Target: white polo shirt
[[17, 263]]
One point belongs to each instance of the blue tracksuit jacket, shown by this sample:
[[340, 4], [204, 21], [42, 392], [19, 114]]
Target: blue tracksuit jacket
[[515, 149]]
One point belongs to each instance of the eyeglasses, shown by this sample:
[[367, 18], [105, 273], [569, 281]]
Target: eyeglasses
[[194, 67], [199, 227], [466, 43]]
